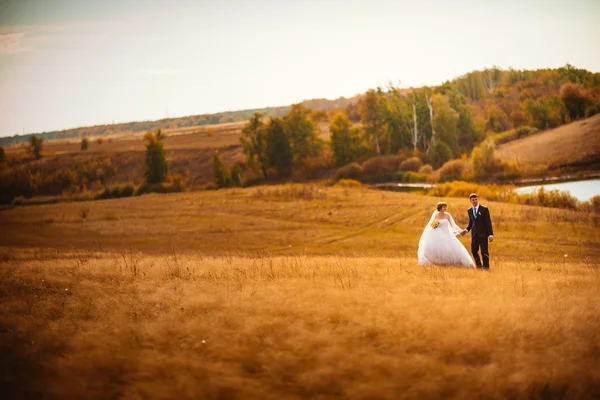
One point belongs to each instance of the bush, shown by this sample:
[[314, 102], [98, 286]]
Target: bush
[[155, 188], [85, 143], [382, 165], [413, 164], [514, 134], [348, 183], [464, 189], [452, 170], [413, 177], [350, 171], [117, 191], [399, 176], [426, 170]]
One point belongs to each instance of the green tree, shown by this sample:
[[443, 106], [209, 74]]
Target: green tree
[[371, 117], [396, 116], [303, 134], [85, 143], [446, 121], [279, 151], [439, 154], [254, 143], [237, 179], [156, 166], [35, 146], [346, 142], [220, 173]]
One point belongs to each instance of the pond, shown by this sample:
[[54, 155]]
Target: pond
[[583, 190]]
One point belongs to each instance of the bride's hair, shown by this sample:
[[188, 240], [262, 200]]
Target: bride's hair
[[440, 205]]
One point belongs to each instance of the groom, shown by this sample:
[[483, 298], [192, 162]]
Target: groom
[[480, 226]]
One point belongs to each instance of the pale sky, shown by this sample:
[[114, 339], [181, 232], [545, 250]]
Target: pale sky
[[72, 63]]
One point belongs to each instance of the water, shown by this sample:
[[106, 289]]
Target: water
[[583, 190]]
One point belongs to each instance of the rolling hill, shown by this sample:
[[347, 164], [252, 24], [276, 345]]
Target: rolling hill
[[571, 146]]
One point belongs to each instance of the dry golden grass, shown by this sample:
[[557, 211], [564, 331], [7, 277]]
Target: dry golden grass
[[292, 292], [578, 141]]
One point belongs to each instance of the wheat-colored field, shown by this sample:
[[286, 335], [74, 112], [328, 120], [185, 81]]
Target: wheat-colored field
[[574, 143], [292, 292]]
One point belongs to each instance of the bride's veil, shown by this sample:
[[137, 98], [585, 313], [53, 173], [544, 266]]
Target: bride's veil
[[454, 229], [420, 252]]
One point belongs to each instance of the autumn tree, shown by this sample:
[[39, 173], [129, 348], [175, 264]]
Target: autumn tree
[[575, 99], [156, 166], [484, 159]]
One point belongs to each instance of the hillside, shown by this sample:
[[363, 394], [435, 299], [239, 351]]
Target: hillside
[[575, 145], [182, 124]]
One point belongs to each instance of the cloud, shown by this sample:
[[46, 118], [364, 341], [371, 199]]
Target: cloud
[[13, 43]]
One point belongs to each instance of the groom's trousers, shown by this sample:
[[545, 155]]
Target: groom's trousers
[[478, 242]]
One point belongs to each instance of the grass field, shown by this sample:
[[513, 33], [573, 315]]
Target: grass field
[[292, 292]]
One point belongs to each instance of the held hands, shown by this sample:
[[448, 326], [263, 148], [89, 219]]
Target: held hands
[[464, 232], [491, 238]]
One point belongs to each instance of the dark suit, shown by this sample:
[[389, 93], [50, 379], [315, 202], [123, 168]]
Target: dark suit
[[481, 229]]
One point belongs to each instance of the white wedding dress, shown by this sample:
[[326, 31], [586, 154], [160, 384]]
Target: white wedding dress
[[440, 246]]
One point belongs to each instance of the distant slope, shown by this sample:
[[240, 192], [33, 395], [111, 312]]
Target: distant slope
[[574, 144], [175, 123]]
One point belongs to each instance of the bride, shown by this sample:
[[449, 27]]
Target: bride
[[438, 244]]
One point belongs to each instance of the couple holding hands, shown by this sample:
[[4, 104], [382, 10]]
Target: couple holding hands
[[439, 246]]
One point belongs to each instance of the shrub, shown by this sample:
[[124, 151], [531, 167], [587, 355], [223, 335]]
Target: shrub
[[17, 201], [413, 164], [350, 171], [382, 165], [514, 134], [117, 191], [452, 170], [348, 183], [85, 143], [464, 189], [412, 177], [426, 170], [155, 188]]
